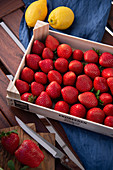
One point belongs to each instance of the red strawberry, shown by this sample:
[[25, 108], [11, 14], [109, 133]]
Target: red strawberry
[[37, 47], [78, 110], [96, 115], [105, 98], [54, 75], [53, 90], [78, 55], [69, 78], [44, 100], [62, 106], [69, 94], [28, 97], [36, 88], [84, 83], [108, 121], [106, 60], [100, 83], [107, 72], [108, 109], [40, 77], [47, 53], [22, 86], [64, 51], [51, 42], [91, 56], [46, 65], [88, 99], [10, 141], [29, 154], [76, 66], [110, 84], [92, 70], [27, 74], [32, 61], [61, 64]]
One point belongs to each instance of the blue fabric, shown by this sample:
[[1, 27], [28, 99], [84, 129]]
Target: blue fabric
[[95, 150]]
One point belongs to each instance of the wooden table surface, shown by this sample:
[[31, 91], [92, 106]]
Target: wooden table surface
[[11, 13]]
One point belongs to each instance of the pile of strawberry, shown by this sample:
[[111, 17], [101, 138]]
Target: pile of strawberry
[[73, 82], [28, 153]]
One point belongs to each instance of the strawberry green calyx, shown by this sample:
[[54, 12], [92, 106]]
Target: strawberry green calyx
[[97, 51], [11, 166], [31, 98], [8, 133], [97, 96]]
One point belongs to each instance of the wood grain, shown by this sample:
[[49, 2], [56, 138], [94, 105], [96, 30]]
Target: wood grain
[[10, 53], [3, 121], [7, 6], [13, 21], [48, 162]]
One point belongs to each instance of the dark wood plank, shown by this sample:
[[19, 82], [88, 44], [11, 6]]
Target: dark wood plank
[[3, 121], [13, 21], [10, 53], [110, 19], [7, 6]]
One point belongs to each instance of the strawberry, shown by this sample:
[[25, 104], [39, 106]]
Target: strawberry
[[10, 141], [91, 56], [78, 55], [54, 75], [36, 88], [47, 53], [64, 51], [29, 154], [84, 83], [76, 66], [107, 72], [108, 109], [62, 106], [96, 115], [78, 110], [28, 97], [40, 77], [27, 74], [46, 65], [105, 98], [44, 100], [51, 42], [32, 61], [100, 83], [108, 121], [88, 99], [61, 64], [110, 84], [53, 90], [92, 70], [106, 60], [69, 94], [37, 47], [69, 78], [22, 86]]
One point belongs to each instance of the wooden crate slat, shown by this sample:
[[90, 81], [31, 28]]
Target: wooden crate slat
[[3, 121], [10, 53], [7, 7], [13, 21]]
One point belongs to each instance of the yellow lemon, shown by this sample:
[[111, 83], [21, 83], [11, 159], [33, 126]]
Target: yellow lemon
[[36, 11], [61, 18]]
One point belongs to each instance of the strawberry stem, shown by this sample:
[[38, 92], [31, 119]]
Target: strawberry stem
[[11, 165], [8, 133], [97, 51]]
